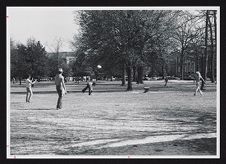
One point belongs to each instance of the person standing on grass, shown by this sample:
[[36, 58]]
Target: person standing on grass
[[166, 80], [60, 87], [29, 93], [198, 79]]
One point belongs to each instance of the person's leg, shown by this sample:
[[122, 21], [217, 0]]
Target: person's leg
[[200, 91], [27, 95], [84, 89], [59, 101], [89, 89], [197, 88], [31, 94]]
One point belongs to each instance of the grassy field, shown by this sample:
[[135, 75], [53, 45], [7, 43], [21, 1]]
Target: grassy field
[[110, 86], [165, 121]]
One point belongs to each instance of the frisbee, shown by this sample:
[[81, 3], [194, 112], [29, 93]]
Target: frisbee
[[99, 66]]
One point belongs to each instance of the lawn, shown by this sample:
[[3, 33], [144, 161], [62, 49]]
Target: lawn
[[108, 123]]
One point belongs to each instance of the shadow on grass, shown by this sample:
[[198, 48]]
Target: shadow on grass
[[37, 109]]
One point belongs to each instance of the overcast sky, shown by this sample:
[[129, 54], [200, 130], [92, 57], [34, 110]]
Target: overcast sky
[[43, 24]]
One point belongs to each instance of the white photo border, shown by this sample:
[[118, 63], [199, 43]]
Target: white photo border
[[9, 156]]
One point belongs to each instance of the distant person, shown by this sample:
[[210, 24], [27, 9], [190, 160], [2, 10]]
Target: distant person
[[29, 93], [89, 86], [14, 80], [198, 79], [60, 87], [166, 80]]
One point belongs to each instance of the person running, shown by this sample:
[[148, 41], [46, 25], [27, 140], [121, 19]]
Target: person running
[[29, 93], [198, 79], [89, 86], [60, 87]]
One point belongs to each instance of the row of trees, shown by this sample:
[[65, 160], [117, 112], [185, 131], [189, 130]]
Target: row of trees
[[32, 59], [28, 59], [127, 41]]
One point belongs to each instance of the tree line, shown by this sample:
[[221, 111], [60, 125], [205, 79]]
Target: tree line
[[125, 42], [32, 59]]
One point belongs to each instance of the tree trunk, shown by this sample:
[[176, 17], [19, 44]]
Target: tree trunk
[[215, 34], [129, 73], [164, 73], [123, 75], [197, 62], [176, 70], [182, 64], [206, 45], [96, 75], [134, 74], [212, 54], [140, 73]]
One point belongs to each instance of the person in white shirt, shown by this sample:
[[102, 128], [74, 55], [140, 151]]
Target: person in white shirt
[[28, 88], [60, 87], [198, 79]]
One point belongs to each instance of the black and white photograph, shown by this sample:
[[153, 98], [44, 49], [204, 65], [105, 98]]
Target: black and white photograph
[[113, 82]]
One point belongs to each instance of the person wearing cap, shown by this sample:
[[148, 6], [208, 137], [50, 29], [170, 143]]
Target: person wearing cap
[[198, 79], [29, 93], [60, 87]]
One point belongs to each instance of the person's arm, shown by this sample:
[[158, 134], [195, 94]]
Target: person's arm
[[34, 81], [29, 81], [202, 79], [64, 85]]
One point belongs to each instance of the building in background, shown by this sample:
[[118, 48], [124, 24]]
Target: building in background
[[67, 57]]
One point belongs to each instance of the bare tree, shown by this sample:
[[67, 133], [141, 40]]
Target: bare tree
[[184, 37], [206, 46], [211, 51], [58, 45]]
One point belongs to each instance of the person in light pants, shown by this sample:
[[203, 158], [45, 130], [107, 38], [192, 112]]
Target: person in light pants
[[198, 79], [29, 92], [60, 87]]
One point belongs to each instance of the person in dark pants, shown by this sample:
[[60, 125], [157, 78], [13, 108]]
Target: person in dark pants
[[60, 87], [166, 80], [89, 86]]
